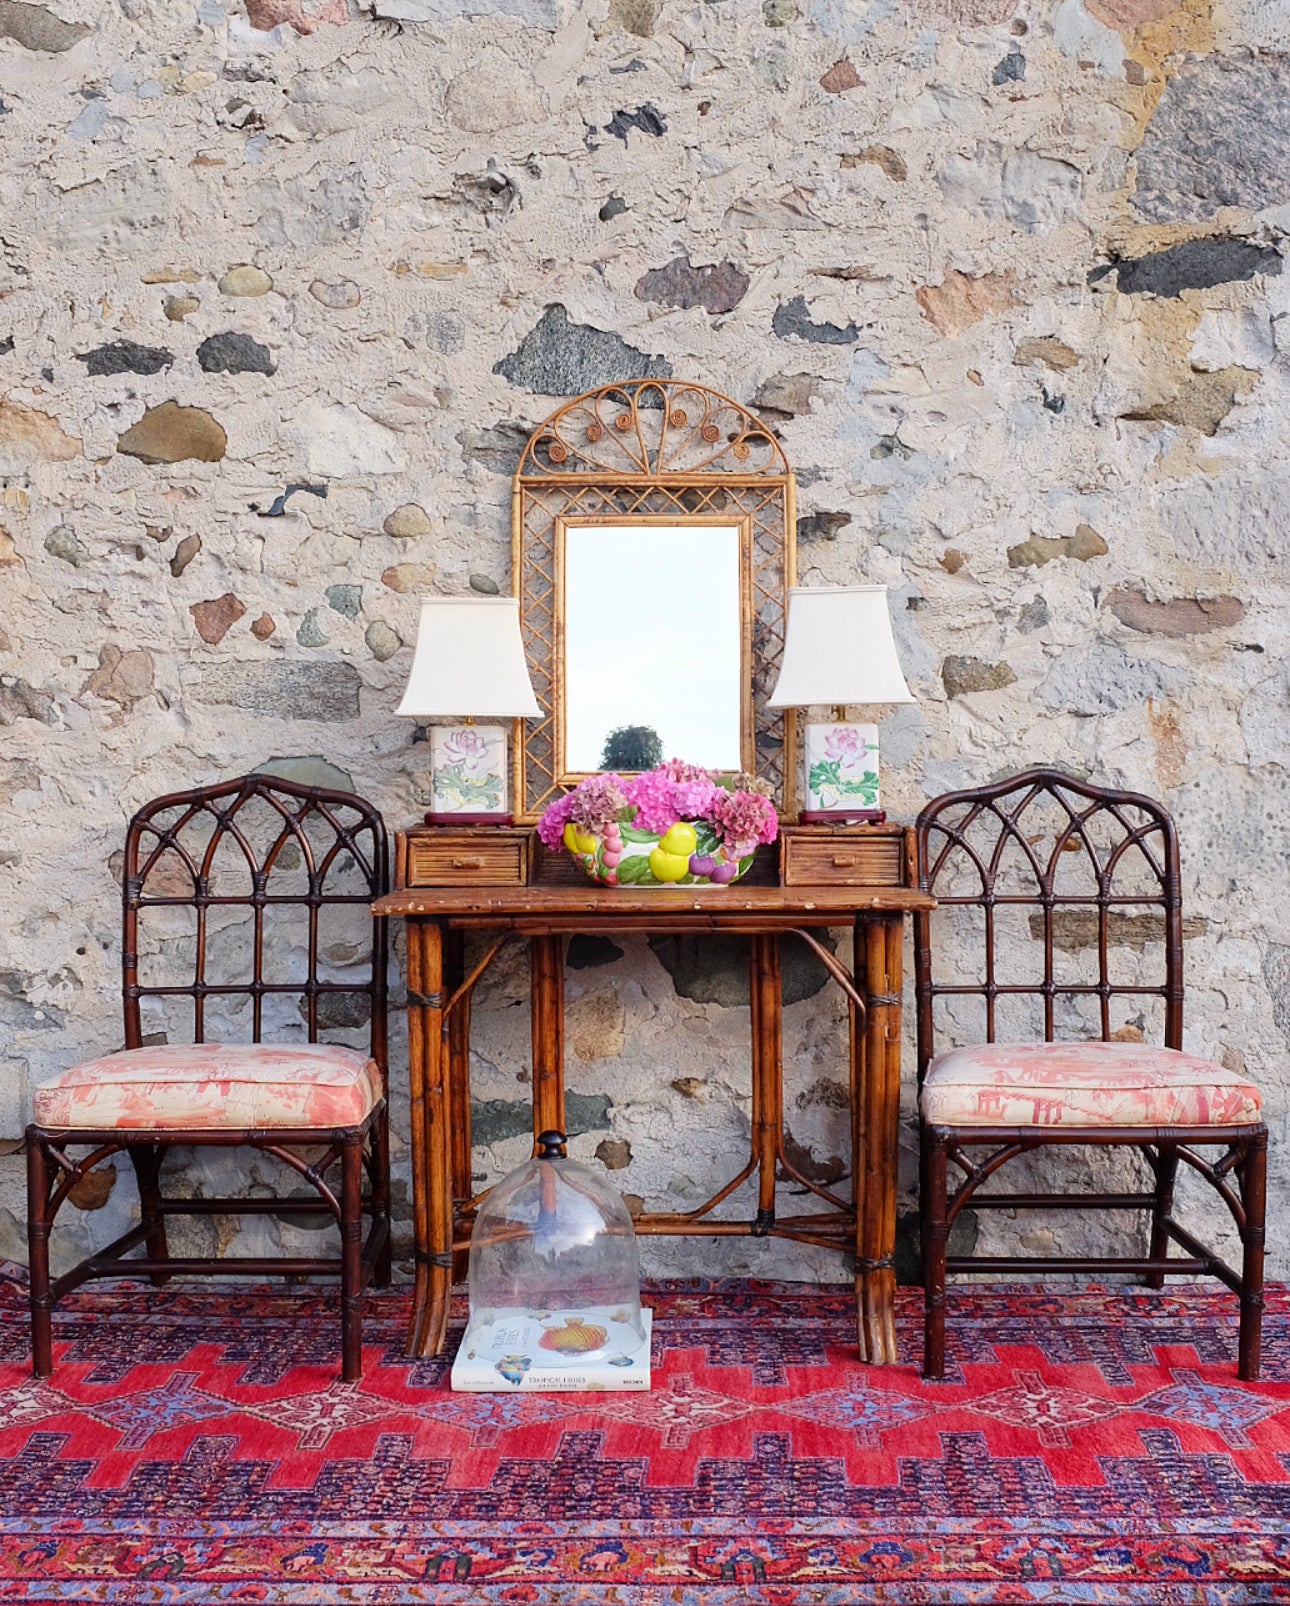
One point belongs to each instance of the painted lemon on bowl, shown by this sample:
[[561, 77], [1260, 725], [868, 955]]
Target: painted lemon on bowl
[[687, 854]]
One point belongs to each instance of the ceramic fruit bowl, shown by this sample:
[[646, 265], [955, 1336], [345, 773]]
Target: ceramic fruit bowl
[[688, 854]]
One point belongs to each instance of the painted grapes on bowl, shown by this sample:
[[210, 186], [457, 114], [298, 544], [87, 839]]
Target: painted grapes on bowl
[[673, 826]]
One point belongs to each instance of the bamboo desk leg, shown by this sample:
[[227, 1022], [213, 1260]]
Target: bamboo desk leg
[[546, 973], [876, 1090], [457, 1073], [432, 1169]]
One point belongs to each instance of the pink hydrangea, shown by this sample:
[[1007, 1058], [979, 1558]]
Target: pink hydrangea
[[656, 799], [744, 819], [598, 802]]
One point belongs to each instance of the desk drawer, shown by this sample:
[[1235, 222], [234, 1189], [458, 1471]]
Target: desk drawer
[[443, 857], [833, 856]]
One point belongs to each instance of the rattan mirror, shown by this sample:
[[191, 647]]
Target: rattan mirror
[[644, 479]]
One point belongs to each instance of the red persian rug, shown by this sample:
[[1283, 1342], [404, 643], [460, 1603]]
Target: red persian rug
[[1085, 1447]]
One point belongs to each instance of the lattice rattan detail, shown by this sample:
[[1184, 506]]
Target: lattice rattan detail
[[651, 449]]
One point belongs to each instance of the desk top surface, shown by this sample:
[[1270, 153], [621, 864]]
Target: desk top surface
[[572, 908]]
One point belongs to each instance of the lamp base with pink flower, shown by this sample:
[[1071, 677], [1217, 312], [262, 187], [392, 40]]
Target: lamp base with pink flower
[[841, 774], [674, 826], [468, 779]]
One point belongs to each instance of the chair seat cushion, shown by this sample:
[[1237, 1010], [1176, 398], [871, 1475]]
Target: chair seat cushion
[[1083, 1084], [212, 1087]]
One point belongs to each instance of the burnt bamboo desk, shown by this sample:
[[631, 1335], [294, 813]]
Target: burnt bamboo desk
[[439, 992]]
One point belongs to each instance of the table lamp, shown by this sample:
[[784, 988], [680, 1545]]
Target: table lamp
[[838, 649], [469, 663]]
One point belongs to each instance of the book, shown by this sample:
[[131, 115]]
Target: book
[[554, 1351]]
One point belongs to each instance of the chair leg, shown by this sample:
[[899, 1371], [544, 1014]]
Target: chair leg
[[1253, 1198], [351, 1260], [42, 1336], [147, 1158], [935, 1235], [383, 1270], [1166, 1168]]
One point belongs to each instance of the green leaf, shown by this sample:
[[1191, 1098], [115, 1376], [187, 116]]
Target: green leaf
[[708, 839], [630, 834], [634, 871]]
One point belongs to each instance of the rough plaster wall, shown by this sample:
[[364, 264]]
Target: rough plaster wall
[[1008, 280]]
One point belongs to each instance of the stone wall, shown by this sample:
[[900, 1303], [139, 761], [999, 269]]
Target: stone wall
[[285, 284]]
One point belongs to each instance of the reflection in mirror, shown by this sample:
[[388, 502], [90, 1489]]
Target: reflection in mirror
[[652, 639]]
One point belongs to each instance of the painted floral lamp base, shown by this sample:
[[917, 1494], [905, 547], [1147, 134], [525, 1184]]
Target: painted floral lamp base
[[468, 781], [841, 773]]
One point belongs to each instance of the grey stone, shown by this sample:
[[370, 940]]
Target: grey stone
[[793, 320], [339, 295], [125, 357], [311, 770], [35, 28], [614, 207], [345, 599], [311, 632], [485, 585], [634, 16], [494, 1120], [1011, 70], [1104, 679], [1191, 265], [337, 1011], [821, 526], [785, 396], [559, 358], [716, 287], [909, 1260], [383, 641], [1034, 616], [323, 691], [18, 1012], [714, 970], [21, 700], [1276, 976], [1232, 521], [778, 13], [445, 332], [962, 675], [231, 353], [334, 210], [586, 952], [647, 119], [497, 449], [64, 543], [531, 13], [1218, 137], [1077, 929]]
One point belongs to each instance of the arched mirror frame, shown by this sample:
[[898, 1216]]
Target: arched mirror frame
[[666, 451]]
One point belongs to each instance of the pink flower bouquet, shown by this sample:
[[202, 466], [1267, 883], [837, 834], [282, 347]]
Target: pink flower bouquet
[[676, 825]]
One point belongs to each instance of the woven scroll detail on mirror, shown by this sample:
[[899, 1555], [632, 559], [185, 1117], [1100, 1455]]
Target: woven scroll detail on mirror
[[656, 427], [647, 450]]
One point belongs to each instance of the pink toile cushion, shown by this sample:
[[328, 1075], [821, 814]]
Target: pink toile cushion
[[211, 1087], [1083, 1084]]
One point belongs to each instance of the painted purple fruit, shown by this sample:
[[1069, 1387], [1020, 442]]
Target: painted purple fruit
[[724, 873], [702, 864]]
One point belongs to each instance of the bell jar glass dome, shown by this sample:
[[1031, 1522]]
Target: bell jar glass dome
[[554, 1284]]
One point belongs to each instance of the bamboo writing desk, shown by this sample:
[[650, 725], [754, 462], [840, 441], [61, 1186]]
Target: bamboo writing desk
[[439, 992]]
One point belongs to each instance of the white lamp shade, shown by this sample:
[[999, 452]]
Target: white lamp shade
[[469, 660], [839, 649]]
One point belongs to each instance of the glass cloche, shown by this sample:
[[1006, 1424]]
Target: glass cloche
[[554, 1284]]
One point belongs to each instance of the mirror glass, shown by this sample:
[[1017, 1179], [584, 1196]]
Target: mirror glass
[[652, 645]]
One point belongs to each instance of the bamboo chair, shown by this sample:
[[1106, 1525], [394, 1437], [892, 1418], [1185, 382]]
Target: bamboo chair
[[1078, 870], [226, 889]]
